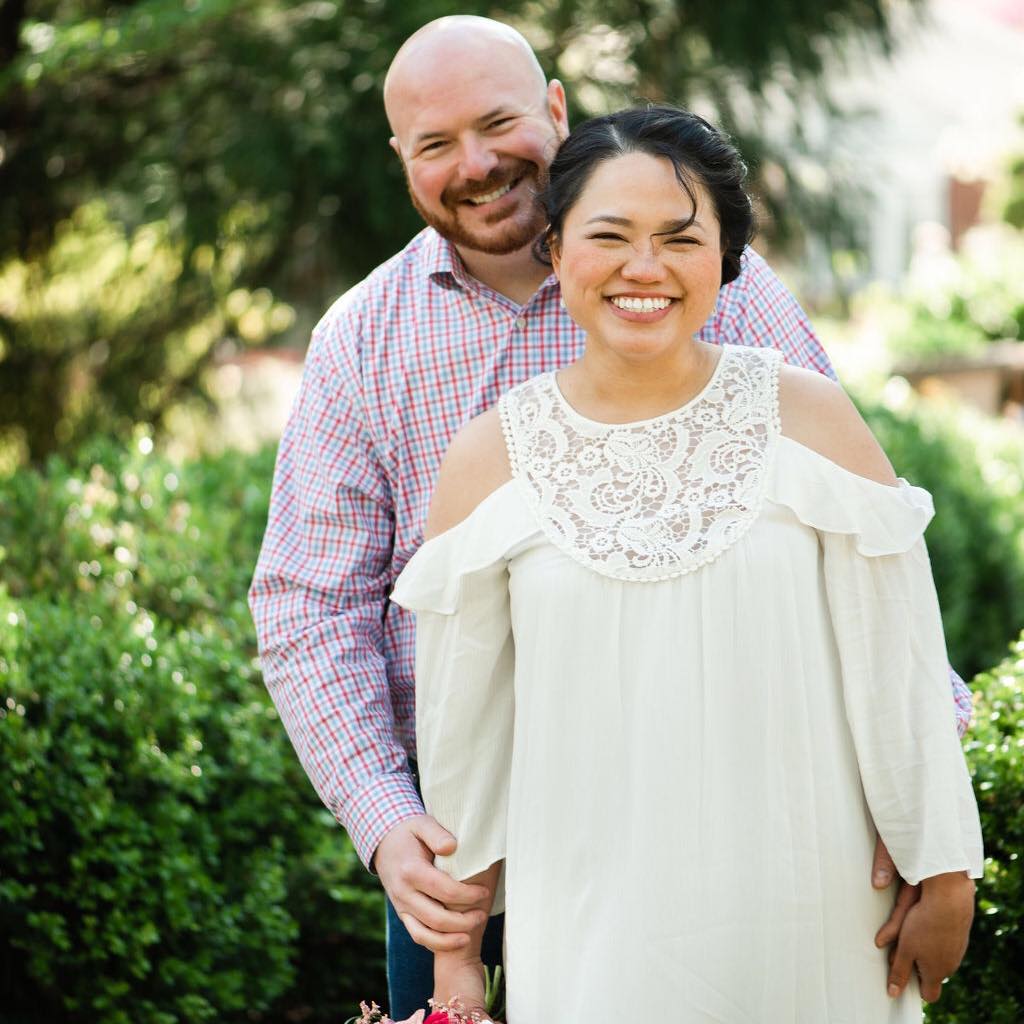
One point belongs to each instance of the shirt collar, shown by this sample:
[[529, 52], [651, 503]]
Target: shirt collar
[[443, 265], [442, 262]]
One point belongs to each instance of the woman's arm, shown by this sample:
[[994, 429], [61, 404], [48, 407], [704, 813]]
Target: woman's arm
[[475, 464], [460, 973], [933, 935]]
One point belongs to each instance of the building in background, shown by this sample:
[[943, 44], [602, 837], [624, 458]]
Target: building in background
[[929, 128]]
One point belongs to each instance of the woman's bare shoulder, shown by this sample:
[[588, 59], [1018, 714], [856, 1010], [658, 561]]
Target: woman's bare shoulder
[[475, 465], [819, 414]]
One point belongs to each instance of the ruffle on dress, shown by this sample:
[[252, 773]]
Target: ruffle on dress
[[434, 578], [884, 520]]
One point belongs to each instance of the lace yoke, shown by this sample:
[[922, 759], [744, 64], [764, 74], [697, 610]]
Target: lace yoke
[[657, 498]]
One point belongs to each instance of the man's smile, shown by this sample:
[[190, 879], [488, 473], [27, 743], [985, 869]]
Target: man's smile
[[490, 197]]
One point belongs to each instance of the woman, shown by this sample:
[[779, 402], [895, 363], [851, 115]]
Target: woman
[[678, 647]]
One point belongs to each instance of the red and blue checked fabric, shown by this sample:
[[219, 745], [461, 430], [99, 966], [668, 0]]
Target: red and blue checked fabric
[[394, 369]]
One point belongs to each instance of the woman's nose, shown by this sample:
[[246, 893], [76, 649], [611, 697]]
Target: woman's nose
[[644, 266]]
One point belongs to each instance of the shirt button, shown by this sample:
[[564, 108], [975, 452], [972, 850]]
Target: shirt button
[[521, 322]]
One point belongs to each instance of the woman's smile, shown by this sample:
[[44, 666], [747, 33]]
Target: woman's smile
[[641, 308]]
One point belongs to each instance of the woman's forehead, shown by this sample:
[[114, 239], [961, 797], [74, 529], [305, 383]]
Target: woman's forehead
[[639, 186]]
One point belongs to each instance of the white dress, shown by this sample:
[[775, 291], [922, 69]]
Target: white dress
[[676, 673]]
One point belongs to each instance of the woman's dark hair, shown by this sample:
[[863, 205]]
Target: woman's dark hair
[[699, 153]]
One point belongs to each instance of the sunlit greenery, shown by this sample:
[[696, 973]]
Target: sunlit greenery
[[954, 303], [988, 987], [110, 327], [186, 179], [168, 157], [162, 856]]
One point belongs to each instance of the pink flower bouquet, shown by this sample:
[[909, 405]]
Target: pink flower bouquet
[[441, 1013]]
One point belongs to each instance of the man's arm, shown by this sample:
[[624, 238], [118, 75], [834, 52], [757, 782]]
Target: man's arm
[[318, 599]]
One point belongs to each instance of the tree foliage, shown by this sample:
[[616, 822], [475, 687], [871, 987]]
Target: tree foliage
[[248, 137]]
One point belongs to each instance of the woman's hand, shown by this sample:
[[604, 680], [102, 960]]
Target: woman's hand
[[934, 935]]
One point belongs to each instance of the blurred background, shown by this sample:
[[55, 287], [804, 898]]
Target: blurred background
[[185, 187]]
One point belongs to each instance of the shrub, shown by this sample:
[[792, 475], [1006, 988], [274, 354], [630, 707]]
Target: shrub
[[955, 303], [974, 473], [989, 986], [131, 529], [162, 856]]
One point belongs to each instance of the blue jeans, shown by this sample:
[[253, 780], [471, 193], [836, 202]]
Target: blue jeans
[[411, 967]]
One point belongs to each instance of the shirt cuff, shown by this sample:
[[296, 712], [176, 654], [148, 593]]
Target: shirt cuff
[[386, 801], [963, 700]]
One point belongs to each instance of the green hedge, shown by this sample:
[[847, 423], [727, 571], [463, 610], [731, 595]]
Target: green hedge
[[975, 472], [162, 856], [989, 987]]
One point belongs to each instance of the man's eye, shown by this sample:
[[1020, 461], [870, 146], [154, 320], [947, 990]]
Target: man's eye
[[432, 147], [499, 122]]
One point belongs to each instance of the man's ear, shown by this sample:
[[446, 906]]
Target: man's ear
[[393, 143], [558, 108]]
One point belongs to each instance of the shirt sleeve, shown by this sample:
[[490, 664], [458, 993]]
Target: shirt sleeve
[[465, 706], [888, 629], [758, 309], [318, 599]]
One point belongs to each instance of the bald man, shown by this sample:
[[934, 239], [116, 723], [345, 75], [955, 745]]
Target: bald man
[[426, 342]]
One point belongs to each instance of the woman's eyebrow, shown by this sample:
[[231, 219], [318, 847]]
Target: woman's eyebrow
[[668, 227], [610, 218]]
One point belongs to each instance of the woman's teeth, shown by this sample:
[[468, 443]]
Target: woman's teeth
[[491, 196], [637, 305]]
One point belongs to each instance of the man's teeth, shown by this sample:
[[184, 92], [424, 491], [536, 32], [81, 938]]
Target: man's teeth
[[491, 196], [637, 305]]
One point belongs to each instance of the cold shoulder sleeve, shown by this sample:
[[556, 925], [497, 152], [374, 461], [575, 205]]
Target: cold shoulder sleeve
[[457, 584], [892, 652]]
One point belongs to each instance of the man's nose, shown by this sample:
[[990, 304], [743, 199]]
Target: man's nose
[[477, 160]]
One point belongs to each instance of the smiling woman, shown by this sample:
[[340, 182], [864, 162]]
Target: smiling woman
[[643, 230], [678, 652]]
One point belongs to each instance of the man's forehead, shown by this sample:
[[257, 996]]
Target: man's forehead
[[465, 97], [463, 68]]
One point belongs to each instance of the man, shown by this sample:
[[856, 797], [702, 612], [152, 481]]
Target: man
[[427, 341]]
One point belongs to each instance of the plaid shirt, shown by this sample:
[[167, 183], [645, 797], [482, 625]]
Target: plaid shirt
[[394, 369]]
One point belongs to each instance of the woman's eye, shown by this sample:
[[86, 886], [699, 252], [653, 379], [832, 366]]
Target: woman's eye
[[682, 240], [605, 236]]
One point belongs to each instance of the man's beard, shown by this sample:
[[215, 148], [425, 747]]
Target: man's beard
[[518, 228]]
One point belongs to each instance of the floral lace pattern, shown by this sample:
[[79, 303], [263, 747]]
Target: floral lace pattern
[[653, 499]]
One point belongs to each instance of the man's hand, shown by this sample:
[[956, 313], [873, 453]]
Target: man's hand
[[438, 911], [883, 872], [934, 935]]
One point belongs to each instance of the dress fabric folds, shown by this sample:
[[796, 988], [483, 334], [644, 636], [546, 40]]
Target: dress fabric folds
[[675, 673]]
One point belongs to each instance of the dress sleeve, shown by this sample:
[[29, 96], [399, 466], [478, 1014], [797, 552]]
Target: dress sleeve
[[465, 705], [886, 620]]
